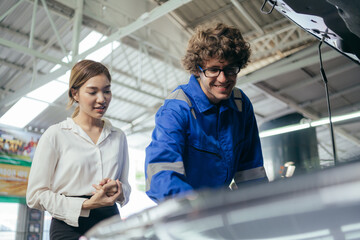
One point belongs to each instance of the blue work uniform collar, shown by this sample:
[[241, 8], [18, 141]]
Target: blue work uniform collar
[[201, 100]]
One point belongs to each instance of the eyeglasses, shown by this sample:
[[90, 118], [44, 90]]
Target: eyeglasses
[[215, 72]]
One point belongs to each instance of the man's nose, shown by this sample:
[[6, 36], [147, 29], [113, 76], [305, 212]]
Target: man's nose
[[222, 77]]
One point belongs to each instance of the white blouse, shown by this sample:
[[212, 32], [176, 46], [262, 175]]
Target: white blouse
[[66, 164]]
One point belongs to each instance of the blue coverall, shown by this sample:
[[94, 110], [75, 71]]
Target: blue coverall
[[196, 144]]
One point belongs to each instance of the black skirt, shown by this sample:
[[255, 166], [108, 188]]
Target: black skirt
[[59, 230]]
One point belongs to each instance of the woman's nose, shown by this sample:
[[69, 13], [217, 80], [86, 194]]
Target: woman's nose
[[101, 98]]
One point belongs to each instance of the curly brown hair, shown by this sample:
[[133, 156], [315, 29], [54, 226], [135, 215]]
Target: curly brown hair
[[219, 41]]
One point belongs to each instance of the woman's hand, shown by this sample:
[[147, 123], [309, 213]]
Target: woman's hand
[[111, 186], [101, 198]]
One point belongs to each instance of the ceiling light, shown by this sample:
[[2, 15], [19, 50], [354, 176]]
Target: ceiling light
[[301, 126], [335, 119], [26, 109], [285, 129], [49, 92], [322, 121], [22, 112]]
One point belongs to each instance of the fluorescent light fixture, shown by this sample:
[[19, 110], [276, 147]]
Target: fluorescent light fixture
[[319, 122], [320, 234], [335, 119], [301, 126], [290, 171], [350, 227], [49, 92], [346, 117], [22, 112], [290, 128]]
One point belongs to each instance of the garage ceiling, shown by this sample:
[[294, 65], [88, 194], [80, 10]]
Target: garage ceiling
[[148, 39]]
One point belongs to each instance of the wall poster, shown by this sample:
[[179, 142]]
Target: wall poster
[[17, 149]]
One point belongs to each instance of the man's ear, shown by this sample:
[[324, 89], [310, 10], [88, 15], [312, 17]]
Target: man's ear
[[197, 73], [74, 93]]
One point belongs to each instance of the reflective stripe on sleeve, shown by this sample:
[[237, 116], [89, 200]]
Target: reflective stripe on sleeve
[[154, 168], [251, 174], [180, 95]]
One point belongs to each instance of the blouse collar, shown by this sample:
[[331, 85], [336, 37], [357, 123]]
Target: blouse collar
[[70, 124]]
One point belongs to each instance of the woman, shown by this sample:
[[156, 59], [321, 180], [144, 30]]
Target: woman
[[74, 154]]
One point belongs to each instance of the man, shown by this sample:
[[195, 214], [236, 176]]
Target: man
[[206, 133]]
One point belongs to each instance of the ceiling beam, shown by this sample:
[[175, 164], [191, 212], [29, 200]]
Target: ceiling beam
[[310, 114], [126, 100], [270, 43], [245, 14], [33, 23], [142, 21], [268, 28], [31, 52], [40, 42], [21, 34], [53, 26], [159, 49], [10, 99], [133, 76], [305, 82], [30, 64], [13, 65], [276, 115], [210, 15], [77, 27], [331, 96], [287, 65], [136, 89], [10, 10], [272, 34]]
